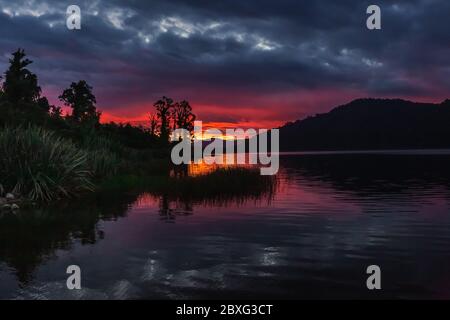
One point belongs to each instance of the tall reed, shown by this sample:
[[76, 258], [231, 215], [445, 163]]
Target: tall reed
[[40, 165]]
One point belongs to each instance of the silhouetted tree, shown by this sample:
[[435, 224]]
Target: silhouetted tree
[[55, 112], [2, 97], [20, 98], [43, 104], [20, 84], [21, 103], [80, 98], [183, 118], [154, 124], [164, 109]]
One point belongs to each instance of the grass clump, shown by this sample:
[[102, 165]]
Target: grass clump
[[39, 165], [219, 186]]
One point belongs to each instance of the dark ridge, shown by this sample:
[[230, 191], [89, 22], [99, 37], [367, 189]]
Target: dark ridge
[[372, 124]]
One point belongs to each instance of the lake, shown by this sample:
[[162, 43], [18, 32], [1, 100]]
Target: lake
[[313, 235]]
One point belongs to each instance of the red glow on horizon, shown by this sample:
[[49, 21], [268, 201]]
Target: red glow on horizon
[[221, 125], [240, 110]]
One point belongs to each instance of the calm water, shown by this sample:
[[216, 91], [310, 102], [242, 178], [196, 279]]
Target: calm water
[[329, 217]]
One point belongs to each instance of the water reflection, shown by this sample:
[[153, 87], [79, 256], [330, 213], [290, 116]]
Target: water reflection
[[32, 237], [307, 234], [379, 176]]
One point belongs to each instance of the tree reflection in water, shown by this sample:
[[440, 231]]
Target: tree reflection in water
[[31, 237]]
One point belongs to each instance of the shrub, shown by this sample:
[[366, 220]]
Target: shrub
[[42, 166], [104, 154]]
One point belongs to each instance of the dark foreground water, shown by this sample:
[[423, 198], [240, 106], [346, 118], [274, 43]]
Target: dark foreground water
[[329, 218]]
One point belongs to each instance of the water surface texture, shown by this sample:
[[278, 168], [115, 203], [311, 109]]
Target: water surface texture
[[312, 236]]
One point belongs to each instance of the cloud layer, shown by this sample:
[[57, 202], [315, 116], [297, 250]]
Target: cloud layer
[[255, 62]]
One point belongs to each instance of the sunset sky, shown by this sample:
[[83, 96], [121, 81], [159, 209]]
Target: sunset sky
[[240, 63]]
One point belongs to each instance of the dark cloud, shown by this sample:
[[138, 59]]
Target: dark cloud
[[254, 54]]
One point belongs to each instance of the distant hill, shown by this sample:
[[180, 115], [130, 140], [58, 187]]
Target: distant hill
[[371, 124]]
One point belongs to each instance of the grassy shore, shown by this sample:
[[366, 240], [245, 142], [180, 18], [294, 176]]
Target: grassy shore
[[220, 184], [38, 165]]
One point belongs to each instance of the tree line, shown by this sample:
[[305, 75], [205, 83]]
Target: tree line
[[22, 102]]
